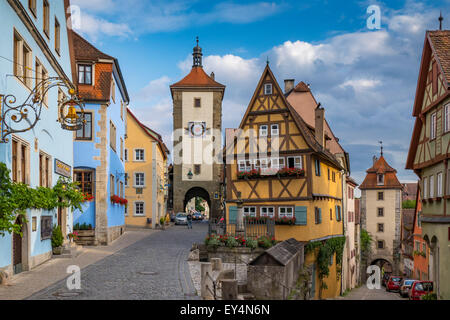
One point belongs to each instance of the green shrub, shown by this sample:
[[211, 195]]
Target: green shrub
[[232, 242], [252, 244], [266, 242], [57, 237]]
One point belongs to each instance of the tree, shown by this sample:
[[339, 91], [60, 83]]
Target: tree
[[199, 204]]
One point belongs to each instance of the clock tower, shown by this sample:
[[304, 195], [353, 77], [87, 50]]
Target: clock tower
[[197, 138]]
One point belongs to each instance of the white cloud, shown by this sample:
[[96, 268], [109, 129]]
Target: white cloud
[[95, 27]]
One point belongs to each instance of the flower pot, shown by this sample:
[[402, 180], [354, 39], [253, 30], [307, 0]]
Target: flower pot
[[57, 251]]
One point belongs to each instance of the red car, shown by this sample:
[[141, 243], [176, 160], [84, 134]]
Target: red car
[[393, 284], [419, 289]]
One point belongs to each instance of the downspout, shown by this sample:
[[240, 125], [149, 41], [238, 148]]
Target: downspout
[[344, 215]]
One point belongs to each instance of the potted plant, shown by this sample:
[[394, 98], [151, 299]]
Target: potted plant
[[162, 222], [73, 236], [57, 240]]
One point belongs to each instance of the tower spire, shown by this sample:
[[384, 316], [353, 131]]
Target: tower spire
[[441, 18], [197, 54], [381, 146]]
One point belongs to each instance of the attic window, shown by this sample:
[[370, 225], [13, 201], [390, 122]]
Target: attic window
[[268, 89], [380, 179], [85, 74]]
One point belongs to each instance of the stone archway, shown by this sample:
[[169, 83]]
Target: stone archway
[[383, 263], [196, 192], [433, 261], [20, 248]]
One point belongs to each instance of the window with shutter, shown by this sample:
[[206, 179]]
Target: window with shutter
[[232, 214], [301, 216]]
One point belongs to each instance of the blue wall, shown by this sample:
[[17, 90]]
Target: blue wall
[[51, 138]]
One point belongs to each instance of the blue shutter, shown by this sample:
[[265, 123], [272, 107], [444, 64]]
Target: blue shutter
[[337, 212], [232, 214], [301, 216]]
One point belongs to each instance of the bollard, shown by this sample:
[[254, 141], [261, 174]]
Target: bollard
[[207, 287], [229, 289], [216, 264]]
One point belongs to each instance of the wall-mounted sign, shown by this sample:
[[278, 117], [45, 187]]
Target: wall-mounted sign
[[63, 169], [46, 227]]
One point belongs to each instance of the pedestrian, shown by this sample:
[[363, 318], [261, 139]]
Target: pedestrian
[[189, 220]]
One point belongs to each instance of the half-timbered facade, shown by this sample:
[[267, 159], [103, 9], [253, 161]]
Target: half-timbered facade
[[429, 153], [276, 167]]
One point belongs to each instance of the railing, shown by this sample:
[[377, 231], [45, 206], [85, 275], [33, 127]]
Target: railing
[[249, 228]]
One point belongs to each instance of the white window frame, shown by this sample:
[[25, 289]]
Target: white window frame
[[382, 179], [432, 186], [263, 130], [135, 180], [268, 86], [282, 162], [447, 118], [433, 126], [286, 214], [266, 213], [248, 165], [264, 163], [274, 129], [425, 187], [439, 184], [275, 163], [135, 155], [241, 165], [143, 209], [249, 213], [297, 166]]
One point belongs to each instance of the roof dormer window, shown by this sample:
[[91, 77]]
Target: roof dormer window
[[85, 74], [380, 179]]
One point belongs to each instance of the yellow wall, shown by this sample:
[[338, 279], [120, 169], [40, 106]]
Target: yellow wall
[[139, 139]]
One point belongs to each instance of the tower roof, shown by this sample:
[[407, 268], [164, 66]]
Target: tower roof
[[390, 180], [197, 77]]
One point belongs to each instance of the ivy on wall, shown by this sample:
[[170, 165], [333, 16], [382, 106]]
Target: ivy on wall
[[16, 198], [324, 251]]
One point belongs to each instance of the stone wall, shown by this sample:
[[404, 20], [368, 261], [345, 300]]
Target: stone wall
[[264, 282], [115, 232], [232, 255]]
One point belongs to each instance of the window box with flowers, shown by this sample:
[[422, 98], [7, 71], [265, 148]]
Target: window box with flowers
[[285, 221], [118, 200], [291, 172], [281, 173]]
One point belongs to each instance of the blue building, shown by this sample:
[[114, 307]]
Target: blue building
[[99, 146], [35, 45]]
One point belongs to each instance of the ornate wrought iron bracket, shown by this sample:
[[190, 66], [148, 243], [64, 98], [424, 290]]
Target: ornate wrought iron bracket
[[19, 118]]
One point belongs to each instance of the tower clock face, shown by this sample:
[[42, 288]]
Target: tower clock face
[[197, 129]]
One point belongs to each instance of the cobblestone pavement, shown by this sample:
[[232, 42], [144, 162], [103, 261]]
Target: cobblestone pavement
[[363, 293], [150, 269]]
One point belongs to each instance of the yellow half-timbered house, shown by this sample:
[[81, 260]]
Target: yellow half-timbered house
[[277, 167]]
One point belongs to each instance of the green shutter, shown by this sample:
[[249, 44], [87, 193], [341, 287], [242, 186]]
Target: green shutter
[[300, 216], [320, 215], [337, 213], [232, 214]]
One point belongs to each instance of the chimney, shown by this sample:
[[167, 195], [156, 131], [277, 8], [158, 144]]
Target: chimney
[[288, 85], [319, 125], [213, 76]]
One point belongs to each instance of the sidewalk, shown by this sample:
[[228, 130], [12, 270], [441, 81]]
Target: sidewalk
[[25, 284]]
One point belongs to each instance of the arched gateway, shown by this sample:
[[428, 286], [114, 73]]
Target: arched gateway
[[197, 123]]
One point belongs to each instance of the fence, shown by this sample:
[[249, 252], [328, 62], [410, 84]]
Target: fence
[[249, 228]]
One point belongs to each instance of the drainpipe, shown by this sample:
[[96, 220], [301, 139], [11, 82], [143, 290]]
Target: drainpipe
[[344, 215]]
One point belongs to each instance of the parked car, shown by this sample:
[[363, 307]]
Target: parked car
[[405, 285], [393, 283], [419, 289], [181, 218], [197, 216], [385, 278]]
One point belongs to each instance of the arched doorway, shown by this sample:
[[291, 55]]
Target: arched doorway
[[384, 265], [197, 197], [20, 248]]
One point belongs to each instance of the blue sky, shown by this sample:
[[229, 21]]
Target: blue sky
[[365, 79]]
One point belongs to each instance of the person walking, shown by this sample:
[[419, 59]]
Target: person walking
[[189, 220]]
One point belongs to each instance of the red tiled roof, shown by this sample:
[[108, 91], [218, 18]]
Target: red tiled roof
[[302, 87], [390, 177], [197, 78], [440, 41]]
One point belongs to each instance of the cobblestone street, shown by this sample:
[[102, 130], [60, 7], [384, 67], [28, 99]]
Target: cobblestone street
[[152, 268]]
